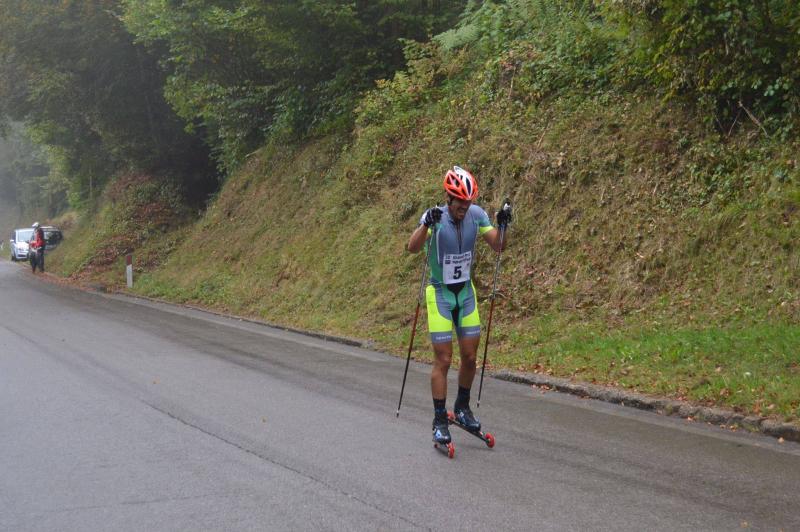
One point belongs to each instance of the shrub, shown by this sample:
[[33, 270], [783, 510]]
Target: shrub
[[737, 58]]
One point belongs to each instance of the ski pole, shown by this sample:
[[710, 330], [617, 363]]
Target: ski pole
[[416, 317], [506, 206]]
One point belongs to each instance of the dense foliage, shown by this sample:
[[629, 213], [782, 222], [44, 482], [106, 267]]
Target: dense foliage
[[247, 68], [734, 61], [155, 86], [70, 71], [25, 179], [736, 57]]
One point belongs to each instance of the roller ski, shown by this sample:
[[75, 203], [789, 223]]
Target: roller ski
[[466, 420], [441, 437]]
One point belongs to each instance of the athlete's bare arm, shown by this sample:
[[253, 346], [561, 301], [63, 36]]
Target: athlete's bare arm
[[492, 237], [417, 239]]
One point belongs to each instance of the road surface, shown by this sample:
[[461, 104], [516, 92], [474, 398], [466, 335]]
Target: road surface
[[118, 414]]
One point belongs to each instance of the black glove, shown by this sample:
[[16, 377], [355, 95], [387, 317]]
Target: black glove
[[431, 217], [504, 216]]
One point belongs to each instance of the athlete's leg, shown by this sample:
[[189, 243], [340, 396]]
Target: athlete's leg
[[441, 329], [468, 346], [442, 356], [469, 334], [468, 328], [439, 303]]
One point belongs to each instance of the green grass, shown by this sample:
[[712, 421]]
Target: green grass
[[750, 367]]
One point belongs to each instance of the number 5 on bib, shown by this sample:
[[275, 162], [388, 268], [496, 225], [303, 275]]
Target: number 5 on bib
[[456, 268]]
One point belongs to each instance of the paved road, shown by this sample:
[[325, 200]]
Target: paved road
[[122, 415]]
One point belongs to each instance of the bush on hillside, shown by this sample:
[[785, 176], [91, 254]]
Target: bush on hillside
[[532, 49], [526, 50], [738, 58]]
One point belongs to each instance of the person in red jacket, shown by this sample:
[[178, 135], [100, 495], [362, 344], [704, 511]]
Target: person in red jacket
[[36, 248]]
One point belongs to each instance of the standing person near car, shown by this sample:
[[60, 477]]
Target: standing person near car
[[36, 247], [450, 296]]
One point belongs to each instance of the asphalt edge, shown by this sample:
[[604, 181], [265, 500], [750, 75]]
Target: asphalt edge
[[352, 342], [725, 418]]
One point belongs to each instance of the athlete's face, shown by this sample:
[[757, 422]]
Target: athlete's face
[[458, 208]]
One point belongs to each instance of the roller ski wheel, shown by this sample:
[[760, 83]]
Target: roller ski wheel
[[487, 437], [447, 448]]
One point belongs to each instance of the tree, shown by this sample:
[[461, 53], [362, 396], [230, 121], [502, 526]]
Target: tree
[[71, 72], [22, 163], [244, 69]]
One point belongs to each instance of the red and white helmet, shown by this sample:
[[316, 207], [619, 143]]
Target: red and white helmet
[[460, 184]]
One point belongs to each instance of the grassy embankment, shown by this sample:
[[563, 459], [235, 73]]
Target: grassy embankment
[[137, 214], [648, 251]]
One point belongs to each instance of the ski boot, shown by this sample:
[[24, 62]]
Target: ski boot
[[465, 419], [441, 437]]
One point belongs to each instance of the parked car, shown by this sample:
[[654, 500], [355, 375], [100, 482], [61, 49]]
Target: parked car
[[52, 237], [21, 237], [19, 243]]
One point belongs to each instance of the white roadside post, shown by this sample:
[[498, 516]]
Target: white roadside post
[[129, 269]]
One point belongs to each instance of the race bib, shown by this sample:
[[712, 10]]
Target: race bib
[[456, 267]]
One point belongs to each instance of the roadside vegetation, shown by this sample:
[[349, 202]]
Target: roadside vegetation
[[24, 186], [649, 148]]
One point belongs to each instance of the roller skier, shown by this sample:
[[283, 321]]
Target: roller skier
[[36, 248], [451, 232]]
